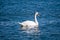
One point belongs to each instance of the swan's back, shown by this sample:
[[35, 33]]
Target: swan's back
[[28, 23]]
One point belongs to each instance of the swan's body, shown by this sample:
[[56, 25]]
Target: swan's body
[[30, 24]]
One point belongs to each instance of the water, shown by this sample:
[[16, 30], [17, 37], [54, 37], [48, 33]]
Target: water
[[13, 11]]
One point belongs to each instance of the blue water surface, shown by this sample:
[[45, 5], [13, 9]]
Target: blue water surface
[[14, 11]]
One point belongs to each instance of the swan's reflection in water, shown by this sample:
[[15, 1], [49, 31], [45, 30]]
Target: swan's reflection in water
[[30, 33], [30, 30]]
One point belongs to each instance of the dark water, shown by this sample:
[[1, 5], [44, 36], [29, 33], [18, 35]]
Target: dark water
[[13, 11]]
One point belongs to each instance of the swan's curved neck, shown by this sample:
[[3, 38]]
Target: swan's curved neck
[[36, 19]]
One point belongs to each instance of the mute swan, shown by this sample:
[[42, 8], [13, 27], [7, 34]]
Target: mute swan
[[30, 24]]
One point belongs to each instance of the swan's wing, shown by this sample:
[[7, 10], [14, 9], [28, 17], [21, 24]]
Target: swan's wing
[[27, 23]]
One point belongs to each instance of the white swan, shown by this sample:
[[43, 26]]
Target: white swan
[[30, 24]]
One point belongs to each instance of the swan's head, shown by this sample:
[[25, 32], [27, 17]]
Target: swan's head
[[37, 14]]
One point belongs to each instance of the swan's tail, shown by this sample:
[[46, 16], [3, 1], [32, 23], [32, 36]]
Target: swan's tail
[[19, 23]]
